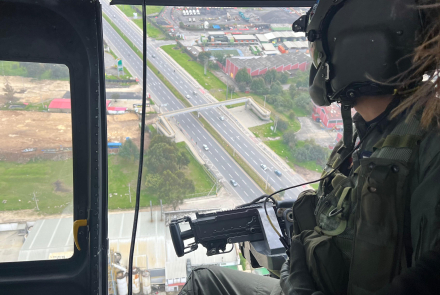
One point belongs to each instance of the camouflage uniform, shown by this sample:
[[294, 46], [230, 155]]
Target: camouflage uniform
[[375, 217]]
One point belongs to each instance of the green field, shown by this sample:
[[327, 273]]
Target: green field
[[52, 182], [282, 150], [152, 31], [210, 82], [265, 131]]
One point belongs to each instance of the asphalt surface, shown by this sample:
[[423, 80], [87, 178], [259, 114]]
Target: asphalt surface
[[241, 143], [246, 188]]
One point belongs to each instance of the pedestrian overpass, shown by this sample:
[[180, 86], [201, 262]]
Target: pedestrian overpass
[[164, 126]]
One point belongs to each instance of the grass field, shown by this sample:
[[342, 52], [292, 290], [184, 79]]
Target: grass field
[[152, 31], [196, 70], [282, 150], [52, 182]]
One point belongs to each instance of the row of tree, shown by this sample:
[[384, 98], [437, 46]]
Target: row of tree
[[165, 177], [163, 166], [309, 151]]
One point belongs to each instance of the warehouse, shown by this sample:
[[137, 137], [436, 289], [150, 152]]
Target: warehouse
[[245, 39], [276, 37], [259, 65]]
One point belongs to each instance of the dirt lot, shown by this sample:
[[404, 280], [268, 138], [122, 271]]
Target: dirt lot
[[32, 90], [21, 129]]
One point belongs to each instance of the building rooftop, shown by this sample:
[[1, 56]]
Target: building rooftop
[[296, 44], [245, 37], [60, 103], [268, 46]]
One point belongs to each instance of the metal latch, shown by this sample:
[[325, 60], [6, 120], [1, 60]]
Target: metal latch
[[76, 225]]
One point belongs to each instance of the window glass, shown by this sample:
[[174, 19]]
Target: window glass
[[214, 158], [36, 185]]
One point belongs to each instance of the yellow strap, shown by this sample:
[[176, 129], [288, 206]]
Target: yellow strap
[[76, 225]]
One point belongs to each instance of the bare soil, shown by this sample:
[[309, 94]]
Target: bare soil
[[34, 91], [21, 130]]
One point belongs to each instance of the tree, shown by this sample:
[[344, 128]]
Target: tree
[[129, 150], [283, 77], [276, 88], [9, 91], [174, 187], [220, 57], [204, 56], [270, 77], [161, 157], [182, 160], [303, 101], [301, 79], [243, 76], [242, 86], [282, 125], [258, 86], [292, 91], [59, 71], [289, 138]]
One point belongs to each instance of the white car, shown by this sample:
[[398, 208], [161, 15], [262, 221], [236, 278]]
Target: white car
[[205, 147], [221, 118], [188, 96], [264, 167]]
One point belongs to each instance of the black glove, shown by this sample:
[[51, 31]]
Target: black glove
[[295, 278]]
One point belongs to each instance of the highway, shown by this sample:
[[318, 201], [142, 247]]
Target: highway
[[242, 144], [229, 169]]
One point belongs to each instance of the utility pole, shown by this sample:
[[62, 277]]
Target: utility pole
[[129, 192], [227, 86], [206, 64], [264, 101], [275, 124], [36, 202]]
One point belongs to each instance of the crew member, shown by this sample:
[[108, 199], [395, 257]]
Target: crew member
[[375, 223]]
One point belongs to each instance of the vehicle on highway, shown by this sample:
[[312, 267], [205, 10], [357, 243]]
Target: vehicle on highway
[[278, 173], [153, 56], [205, 147], [264, 167], [234, 183], [221, 118], [195, 92], [188, 96]]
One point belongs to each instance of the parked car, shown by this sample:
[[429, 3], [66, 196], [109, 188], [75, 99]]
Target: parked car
[[233, 182], [264, 167], [205, 147], [188, 96], [221, 118], [278, 173]]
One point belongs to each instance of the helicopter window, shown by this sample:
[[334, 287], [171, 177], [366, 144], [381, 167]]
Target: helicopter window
[[36, 172]]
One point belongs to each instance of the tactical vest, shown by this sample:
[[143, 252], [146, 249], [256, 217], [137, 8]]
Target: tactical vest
[[364, 212]]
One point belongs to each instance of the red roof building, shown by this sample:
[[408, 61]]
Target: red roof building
[[63, 105]]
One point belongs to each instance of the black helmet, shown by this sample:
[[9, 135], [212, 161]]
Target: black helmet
[[354, 43]]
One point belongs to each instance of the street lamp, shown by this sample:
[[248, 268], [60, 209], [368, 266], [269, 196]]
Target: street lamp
[[264, 101]]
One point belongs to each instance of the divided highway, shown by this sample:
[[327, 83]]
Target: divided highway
[[246, 188], [243, 145]]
